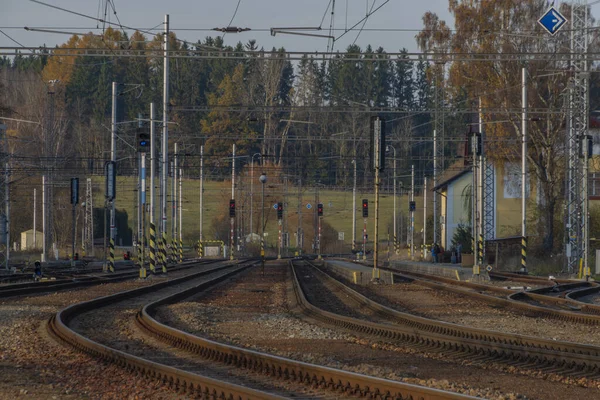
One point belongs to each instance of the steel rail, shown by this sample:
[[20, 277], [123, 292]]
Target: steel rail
[[497, 346], [576, 312], [524, 278], [348, 383], [20, 289], [175, 378]]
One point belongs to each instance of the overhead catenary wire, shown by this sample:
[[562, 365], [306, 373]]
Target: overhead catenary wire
[[232, 18]]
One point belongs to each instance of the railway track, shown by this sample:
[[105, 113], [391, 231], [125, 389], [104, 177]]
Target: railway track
[[549, 356], [29, 288], [563, 309], [189, 369]]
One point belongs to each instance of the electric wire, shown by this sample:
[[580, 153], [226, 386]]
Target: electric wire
[[232, 17], [364, 22]]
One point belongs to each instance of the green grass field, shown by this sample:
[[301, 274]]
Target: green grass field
[[337, 206]]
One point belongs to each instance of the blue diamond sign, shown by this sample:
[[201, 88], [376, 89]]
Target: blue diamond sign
[[552, 21]]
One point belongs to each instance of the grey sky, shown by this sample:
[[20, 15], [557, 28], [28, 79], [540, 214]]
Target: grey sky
[[207, 14]]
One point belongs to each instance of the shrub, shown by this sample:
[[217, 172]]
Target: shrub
[[463, 236]]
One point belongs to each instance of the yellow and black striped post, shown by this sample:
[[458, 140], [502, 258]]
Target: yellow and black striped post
[[200, 249], [152, 248], [159, 252], [524, 254], [111, 255], [173, 250], [180, 250], [164, 264], [480, 250]]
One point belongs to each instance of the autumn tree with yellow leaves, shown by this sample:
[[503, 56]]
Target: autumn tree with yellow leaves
[[502, 33]]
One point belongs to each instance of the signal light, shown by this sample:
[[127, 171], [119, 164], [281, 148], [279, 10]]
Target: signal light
[[142, 138], [412, 206], [365, 208], [279, 210], [320, 210], [232, 208]]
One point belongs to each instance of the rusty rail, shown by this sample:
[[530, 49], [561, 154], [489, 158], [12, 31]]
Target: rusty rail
[[581, 313], [347, 383], [498, 346], [177, 379]]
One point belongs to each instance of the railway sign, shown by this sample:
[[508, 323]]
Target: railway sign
[[552, 21], [309, 206], [275, 206]]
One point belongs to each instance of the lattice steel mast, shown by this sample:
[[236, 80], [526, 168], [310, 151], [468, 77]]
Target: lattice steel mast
[[438, 147], [577, 131]]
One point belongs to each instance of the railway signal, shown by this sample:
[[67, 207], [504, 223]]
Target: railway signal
[[320, 210], [365, 208], [142, 139], [279, 210], [232, 208], [412, 206]]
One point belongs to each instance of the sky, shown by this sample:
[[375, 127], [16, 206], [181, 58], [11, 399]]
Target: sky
[[203, 15]]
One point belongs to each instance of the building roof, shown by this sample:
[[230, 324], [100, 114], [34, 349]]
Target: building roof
[[451, 174]]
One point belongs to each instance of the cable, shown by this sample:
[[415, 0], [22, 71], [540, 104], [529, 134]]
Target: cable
[[355, 25], [11, 38], [324, 14], [234, 14], [365, 21]]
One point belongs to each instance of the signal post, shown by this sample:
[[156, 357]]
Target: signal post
[[280, 224], [365, 214], [378, 157], [143, 144]]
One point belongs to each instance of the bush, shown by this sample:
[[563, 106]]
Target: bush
[[463, 236]]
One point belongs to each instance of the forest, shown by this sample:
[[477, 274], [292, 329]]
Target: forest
[[309, 118]]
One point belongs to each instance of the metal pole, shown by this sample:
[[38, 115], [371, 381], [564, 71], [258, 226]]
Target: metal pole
[[263, 180], [142, 238], [251, 196], [354, 208], [474, 204], [424, 252], [34, 218], [412, 213], [480, 209], [435, 174], [232, 219], [200, 249], [7, 199], [152, 243], [113, 158], [395, 218], [138, 201], [376, 238], [104, 229], [165, 136], [73, 236], [318, 201], [175, 204], [180, 215], [44, 227], [524, 173], [364, 239], [300, 234]]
